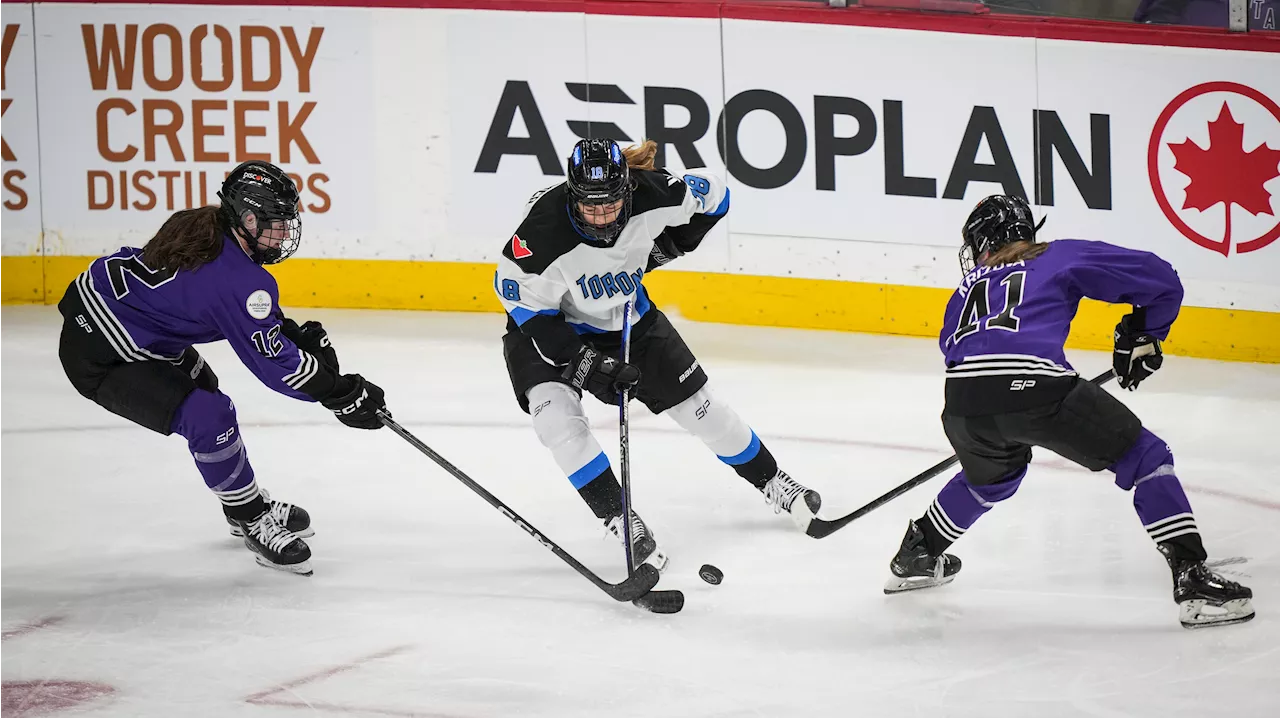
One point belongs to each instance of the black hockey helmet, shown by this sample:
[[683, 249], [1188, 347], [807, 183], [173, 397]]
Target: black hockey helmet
[[996, 221], [261, 201], [598, 175]]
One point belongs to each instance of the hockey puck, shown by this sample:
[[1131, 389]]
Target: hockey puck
[[711, 574]]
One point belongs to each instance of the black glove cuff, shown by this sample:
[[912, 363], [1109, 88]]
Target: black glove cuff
[[578, 372]]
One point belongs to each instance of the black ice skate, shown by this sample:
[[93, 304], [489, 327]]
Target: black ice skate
[[274, 546], [781, 493], [914, 568], [1206, 599], [644, 547], [294, 518]]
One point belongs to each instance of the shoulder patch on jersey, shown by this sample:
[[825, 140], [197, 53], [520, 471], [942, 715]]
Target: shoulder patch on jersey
[[544, 235], [520, 248], [259, 304]]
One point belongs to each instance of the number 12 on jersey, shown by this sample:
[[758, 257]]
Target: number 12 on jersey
[[977, 306]]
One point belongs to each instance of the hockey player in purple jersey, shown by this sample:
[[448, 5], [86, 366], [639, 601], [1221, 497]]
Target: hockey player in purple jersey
[[130, 320], [1009, 387]]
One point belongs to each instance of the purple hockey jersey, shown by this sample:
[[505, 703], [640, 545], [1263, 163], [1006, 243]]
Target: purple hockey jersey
[[156, 314], [1013, 319]]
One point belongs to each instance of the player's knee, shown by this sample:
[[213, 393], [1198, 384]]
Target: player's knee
[[557, 414], [998, 490], [207, 419], [1148, 457], [704, 416]]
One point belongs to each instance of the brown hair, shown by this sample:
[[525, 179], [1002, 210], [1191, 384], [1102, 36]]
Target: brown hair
[[189, 239], [1015, 252], [640, 157]]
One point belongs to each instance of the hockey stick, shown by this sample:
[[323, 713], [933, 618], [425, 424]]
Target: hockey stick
[[637, 584], [819, 528], [654, 601], [624, 441]]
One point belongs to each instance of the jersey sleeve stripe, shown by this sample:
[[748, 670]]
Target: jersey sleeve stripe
[[122, 333], [90, 300], [307, 368], [722, 207]]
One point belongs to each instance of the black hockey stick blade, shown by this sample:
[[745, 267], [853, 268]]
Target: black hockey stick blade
[[635, 586], [820, 528], [660, 601]]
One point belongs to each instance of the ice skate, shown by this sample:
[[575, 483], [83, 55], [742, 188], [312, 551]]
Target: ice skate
[[644, 547], [914, 568], [294, 518], [1206, 599], [274, 546], [781, 493]]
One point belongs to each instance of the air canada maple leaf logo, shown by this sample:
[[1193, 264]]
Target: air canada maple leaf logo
[[1220, 171], [1224, 172]]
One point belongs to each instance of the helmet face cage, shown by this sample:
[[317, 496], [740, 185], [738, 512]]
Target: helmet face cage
[[996, 221], [598, 175], [261, 201]]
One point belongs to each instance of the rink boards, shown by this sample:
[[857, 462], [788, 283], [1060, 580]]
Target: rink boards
[[853, 149]]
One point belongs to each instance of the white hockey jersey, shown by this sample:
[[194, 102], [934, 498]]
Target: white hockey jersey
[[549, 273]]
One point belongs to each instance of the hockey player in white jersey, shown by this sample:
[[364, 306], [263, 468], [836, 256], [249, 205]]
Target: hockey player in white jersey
[[579, 255]]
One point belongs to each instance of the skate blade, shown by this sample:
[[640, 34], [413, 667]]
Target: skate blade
[[914, 583], [302, 569], [1199, 613], [308, 532]]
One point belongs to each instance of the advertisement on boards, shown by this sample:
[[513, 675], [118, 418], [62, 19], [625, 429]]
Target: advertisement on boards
[[19, 148], [885, 148], [1195, 138], [420, 134], [519, 103], [145, 109]]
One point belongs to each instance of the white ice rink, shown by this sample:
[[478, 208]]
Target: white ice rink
[[123, 594]]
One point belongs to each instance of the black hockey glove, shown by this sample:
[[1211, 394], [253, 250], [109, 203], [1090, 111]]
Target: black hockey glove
[[599, 374], [1137, 354], [356, 401], [312, 339], [664, 251]]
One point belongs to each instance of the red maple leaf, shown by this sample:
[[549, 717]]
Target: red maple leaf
[[1224, 172]]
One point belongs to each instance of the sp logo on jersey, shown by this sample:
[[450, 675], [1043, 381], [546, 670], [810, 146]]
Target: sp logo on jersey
[[519, 249]]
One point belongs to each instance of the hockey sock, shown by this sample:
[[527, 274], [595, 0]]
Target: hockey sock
[[959, 505], [1162, 505], [602, 493], [562, 427], [207, 420], [725, 433]]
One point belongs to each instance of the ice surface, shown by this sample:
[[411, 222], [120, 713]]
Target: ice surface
[[122, 590]]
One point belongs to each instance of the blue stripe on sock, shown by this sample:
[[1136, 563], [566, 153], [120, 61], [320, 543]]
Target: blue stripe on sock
[[590, 472], [747, 454]]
